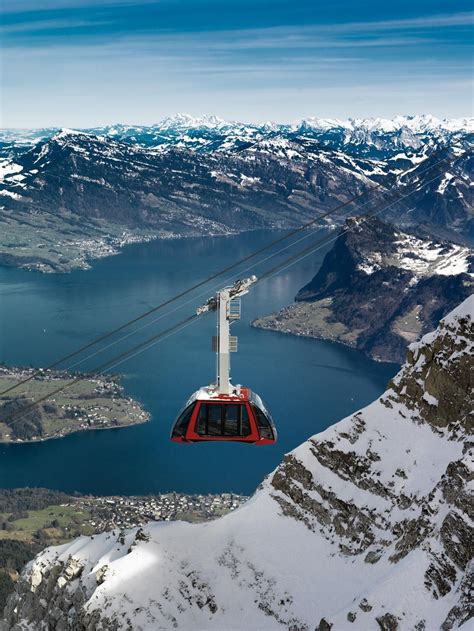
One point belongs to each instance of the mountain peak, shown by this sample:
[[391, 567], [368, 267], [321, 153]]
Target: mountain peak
[[463, 311], [378, 138], [190, 122], [417, 124], [65, 134]]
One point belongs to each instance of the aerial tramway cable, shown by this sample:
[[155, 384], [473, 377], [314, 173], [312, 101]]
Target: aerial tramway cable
[[227, 269], [188, 301], [189, 320], [109, 364]]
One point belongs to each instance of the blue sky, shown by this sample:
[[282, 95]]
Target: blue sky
[[89, 62]]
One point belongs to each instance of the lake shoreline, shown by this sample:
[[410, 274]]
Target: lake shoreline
[[105, 244], [73, 431], [276, 323], [90, 402], [307, 384]]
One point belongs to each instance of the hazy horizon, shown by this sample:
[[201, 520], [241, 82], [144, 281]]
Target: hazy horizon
[[84, 63], [230, 121]]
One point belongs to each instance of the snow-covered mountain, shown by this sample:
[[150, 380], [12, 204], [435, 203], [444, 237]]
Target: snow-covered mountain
[[206, 176], [107, 185], [365, 526], [384, 138], [419, 124], [379, 288], [371, 137]]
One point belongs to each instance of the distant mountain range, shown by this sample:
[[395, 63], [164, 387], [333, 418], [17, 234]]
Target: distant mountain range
[[370, 137], [367, 525], [189, 176], [379, 289]]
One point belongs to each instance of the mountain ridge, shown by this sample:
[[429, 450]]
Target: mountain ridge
[[417, 124], [365, 525], [83, 191], [378, 289]]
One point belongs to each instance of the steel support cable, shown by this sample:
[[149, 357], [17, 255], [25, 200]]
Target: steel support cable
[[250, 267], [187, 321], [329, 238], [180, 306], [186, 291], [227, 269], [188, 301], [108, 364]]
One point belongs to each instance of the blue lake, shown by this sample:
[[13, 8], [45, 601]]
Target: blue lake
[[307, 384]]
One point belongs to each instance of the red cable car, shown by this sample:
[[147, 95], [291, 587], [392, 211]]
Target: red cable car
[[221, 411]]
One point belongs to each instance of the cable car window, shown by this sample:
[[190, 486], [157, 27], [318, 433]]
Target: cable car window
[[264, 425], [232, 418], [182, 423], [201, 425], [244, 421], [209, 422], [236, 422], [214, 419]]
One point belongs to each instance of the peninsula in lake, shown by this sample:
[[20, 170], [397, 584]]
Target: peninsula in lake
[[379, 289], [89, 402]]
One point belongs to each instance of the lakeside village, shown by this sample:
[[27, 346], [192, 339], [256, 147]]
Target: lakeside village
[[93, 402], [107, 513]]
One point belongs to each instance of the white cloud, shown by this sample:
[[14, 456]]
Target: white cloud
[[464, 18], [23, 6], [347, 69], [47, 25]]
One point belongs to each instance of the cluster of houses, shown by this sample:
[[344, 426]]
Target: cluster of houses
[[107, 513], [97, 403]]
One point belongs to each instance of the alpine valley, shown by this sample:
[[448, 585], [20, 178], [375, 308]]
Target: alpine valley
[[71, 196], [367, 525]]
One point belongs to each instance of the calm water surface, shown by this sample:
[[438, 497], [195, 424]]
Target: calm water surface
[[308, 384]]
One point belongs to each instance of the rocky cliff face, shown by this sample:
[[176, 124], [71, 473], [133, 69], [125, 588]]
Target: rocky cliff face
[[367, 525], [379, 289]]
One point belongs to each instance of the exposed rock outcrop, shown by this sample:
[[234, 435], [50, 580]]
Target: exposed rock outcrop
[[367, 525]]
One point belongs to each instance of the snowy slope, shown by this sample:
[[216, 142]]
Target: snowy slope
[[364, 526], [421, 257]]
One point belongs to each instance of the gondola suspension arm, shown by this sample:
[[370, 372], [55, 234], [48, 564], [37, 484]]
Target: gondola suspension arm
[[225, 303]]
